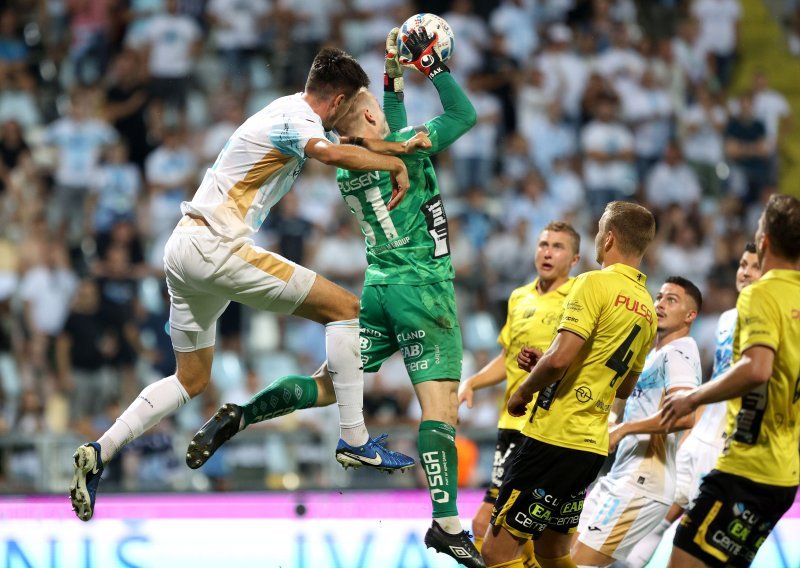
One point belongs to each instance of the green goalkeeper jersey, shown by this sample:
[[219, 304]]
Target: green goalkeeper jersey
[[409, 245]]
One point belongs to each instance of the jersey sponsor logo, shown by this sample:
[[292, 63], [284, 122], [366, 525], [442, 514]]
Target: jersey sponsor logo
[[408, 336], [391, 245], [411, 351], [417, 366], [573, 306], [365, 343], [436, 219], [364, 181], [551, 318], [583, 393], [634, 306]]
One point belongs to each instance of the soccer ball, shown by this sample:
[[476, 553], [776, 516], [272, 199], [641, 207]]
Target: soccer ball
[[433, 24]]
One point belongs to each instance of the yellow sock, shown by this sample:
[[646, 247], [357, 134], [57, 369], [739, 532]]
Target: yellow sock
[[560, 562], [528, 557], [478, 542], [516, 563]]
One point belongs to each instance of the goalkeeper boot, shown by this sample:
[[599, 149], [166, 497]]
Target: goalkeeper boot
[[372, 454], [85, 480], [219, 429], [458, 546]]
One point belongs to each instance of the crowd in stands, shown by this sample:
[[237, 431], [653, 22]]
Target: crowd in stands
[[111, 110]]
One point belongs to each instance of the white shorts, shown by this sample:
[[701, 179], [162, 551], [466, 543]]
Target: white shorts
[[694, 460], [615, 518], [206, 272]]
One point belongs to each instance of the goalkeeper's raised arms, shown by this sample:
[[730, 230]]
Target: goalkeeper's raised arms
[[423, 55]]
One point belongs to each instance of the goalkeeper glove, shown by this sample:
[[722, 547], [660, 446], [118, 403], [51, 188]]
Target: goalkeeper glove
[[393, 71], [423, 55]]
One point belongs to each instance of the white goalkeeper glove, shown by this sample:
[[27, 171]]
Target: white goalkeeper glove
[[393, 71]]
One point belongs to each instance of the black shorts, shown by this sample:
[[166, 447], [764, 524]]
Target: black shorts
[[731, 518], [543, 488], [507, 442]]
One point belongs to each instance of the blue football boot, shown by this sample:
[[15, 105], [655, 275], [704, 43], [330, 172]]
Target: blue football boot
[[372, 454], [85, 480]]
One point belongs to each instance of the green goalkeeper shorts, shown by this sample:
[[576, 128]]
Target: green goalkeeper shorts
[[419, 321]]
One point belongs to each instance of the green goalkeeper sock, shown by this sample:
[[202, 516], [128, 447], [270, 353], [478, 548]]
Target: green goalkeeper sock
[[283, 396], [439, 458]]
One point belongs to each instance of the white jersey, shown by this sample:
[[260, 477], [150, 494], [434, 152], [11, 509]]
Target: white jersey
[[711, 426], [646, 462], [256, 167]]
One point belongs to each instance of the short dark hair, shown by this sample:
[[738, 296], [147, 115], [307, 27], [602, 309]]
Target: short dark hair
[[688, 287], [750, 247], [564, 227], [633, 226], [335, 71], [781, 222]]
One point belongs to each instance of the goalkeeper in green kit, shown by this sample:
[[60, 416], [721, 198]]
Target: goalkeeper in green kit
[[408, 303]]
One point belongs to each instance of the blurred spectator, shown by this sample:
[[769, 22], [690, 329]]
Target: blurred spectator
[[13, 148], [689, 54], [565, 72], [552, 138], [119, 296], [291, 232], [170, 176], [702, 125], [340, 255], [746, 144], [79, 139], [476, 222], [472, 34], [46, 291], [171, 43], [83, 350], [648, 110], [515, 21], [534, 96], [474, 154], [89, 25], [672, 182], [18, 98], [608, 146], [13, 51], [126, 103], [565, 187], [771, 108], [113, 191], [499, 77], [719, 33], [237, 25]]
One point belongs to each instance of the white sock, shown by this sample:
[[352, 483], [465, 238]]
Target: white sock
[[450, 525], [644, 549], [154, 403], [342, 344]]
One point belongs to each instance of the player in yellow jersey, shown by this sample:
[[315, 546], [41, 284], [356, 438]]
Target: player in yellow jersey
[[534, 311], [603, 337], [756, 477]]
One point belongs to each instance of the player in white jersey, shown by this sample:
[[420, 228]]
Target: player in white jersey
[[210, 260], [628, 502], [700, 449]]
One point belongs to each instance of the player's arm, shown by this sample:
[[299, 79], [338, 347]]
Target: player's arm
[[459, 114], [493, 373], [355, 158], [550, 368], [752, 370], [650, 425], [419, 141]]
